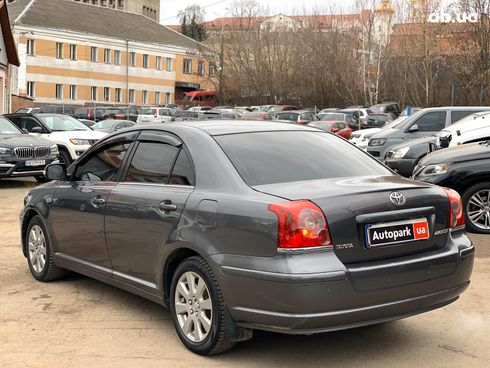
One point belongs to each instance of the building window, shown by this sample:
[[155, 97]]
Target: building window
[[117, 95], [94, 93], [59, 50], [93, 54], [169, 64], [117, 57], [144, 98], [212, 69], [59, 91], [31, 89], [73, 92], [157, 98], [187, 67], [158, 62], [73, 52], [107, 56], [31, 47], [145, 61], [200, 68], [131, 96], [168, 100], [132, 59], [107, 94]]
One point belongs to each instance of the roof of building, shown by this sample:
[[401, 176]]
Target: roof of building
[[95, 20], [8, 38]]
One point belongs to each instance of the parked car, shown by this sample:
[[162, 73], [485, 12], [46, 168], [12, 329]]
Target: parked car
[[357, 116], [57, 109], [164, 114], [257, 115], [71, 136], [378, 120], [22, 155], [403, 158], [89, 113], [247, 226], [337, 127], [466, 169], [362, 137], [28, 110], [276, 109], [390, 107], [297, 116], [424, 123], [111, 125], [183, 115], [87, 123], [473, 128], [217, 115], [114, 113]]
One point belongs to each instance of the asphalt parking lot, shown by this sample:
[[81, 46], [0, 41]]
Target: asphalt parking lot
[[82, 322]]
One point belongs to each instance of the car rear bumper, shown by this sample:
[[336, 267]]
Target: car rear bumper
[[401, 166], [342, 297]]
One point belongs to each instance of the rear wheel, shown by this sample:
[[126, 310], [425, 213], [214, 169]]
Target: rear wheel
[[476, 201], [39, 253], [198, 309]]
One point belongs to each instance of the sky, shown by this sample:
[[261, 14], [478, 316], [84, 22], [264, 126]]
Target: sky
[[216, 8]]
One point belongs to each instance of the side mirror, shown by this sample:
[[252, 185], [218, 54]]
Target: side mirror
[[55, 172], [25, 131], [335, 130], [414, 128], [37, 130]]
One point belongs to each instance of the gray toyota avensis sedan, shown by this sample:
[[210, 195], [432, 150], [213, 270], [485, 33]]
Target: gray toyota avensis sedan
[[246, 225]]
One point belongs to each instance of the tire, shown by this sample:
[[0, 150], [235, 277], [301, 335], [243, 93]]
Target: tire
[[64, 157], [37, 242], [471, 197], [214, 339], [41, 179]]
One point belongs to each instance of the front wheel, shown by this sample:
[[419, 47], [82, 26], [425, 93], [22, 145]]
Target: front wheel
[[198, 309], [64, 158], [476, 201]]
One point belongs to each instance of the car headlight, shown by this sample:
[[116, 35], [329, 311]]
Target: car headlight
[[80, 142], [401, 153], [436, 169], [377, 142], [54, 149], [5, 151]]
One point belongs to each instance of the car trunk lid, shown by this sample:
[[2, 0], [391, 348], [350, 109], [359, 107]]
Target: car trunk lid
[[352, 206]]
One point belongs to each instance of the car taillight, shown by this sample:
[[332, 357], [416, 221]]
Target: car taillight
[[456, 218], [119, 116], [300, 224]]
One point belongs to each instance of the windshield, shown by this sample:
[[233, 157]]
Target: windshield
[[6, 127], [283, 157], [62, 123], [105, 124], [396, 123], [334, 117]]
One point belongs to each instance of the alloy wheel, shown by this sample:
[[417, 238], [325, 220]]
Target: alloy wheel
[[37, 248], [193, 306], [478, 209]]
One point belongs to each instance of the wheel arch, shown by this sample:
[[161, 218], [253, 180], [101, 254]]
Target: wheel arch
[[29, 214], [469, 181]]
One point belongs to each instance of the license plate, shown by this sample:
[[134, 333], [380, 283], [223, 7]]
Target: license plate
[[396, 232], [35, 163]]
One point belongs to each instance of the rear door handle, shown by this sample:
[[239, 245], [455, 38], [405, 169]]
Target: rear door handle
[[167, 206], [97, 201]]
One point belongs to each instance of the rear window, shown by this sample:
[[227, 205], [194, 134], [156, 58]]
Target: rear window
[[287, 116], [145, 111], [283, 157]]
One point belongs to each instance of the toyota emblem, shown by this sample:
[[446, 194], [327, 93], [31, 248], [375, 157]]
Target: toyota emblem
[[397, 198]]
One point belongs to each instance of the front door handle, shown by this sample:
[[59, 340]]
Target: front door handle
[[97, 201], [167, 206]]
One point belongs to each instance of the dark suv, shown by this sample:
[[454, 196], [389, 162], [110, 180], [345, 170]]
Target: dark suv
[[22, 154]]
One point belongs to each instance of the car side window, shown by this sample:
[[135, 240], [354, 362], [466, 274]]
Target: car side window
[[432, 121], [29, 123], [340, 126], [104, 164], [152, 163], [458, 115], [183, 173]]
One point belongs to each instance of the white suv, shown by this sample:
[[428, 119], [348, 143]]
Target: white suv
[[72, 137]]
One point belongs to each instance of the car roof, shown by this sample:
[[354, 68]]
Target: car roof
[[220, 127]]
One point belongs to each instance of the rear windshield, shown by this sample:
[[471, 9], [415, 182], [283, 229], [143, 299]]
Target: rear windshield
[[283, 157], [287, 116], [145, 111]]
